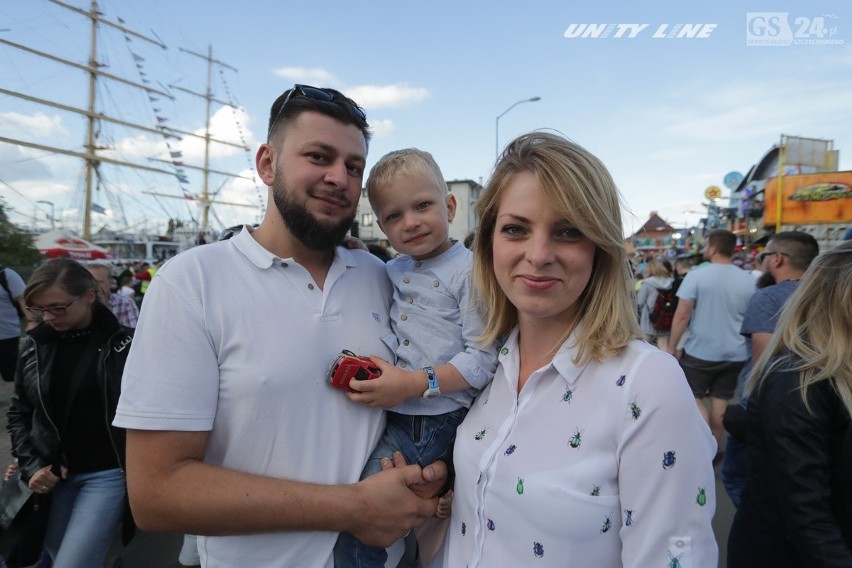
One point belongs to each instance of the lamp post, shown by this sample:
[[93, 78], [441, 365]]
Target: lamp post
[[52, 211], [497, 123]]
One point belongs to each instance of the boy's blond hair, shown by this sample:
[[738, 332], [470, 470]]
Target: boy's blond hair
[[408, 161]]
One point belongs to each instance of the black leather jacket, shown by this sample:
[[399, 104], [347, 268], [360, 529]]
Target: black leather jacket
[[32, 425], [800, 477]]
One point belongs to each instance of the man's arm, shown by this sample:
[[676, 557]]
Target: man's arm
[[680, 322], [171, 488], [759, 341]]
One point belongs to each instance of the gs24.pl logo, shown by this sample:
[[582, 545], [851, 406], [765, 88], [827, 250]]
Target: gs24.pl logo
[[775, 29]]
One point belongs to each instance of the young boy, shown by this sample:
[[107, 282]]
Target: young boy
[[440, 365]]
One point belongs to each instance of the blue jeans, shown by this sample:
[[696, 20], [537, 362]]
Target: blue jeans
[[85, 512], [735, 468], [422, 440]]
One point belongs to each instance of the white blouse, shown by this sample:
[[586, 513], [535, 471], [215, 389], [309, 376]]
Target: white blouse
[[607, 464]]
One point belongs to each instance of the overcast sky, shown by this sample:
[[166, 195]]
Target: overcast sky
[[669, 116]]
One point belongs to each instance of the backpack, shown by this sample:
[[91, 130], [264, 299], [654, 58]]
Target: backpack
[[664, 307]]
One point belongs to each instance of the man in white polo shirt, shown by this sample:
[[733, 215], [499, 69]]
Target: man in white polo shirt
[[232, 428]]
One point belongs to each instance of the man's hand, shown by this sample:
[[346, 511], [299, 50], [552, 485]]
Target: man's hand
[[350, 242], [390, 504], [394, 386]]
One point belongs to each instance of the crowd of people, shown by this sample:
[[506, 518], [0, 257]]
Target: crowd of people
[[536, 402]]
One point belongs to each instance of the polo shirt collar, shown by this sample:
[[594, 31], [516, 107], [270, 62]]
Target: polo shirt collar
[[263, 259]]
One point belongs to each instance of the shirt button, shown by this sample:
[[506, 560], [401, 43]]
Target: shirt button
[[436, 283], [419, 264], [284, 265], [679, 544], [403, 317], [406, 342], [310, 286], [401, 365], [411, 300], [406, 279]]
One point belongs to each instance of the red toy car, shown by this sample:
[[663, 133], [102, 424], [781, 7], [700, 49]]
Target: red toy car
[[348, 366]]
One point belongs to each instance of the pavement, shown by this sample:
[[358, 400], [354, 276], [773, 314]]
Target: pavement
[[160, 550]]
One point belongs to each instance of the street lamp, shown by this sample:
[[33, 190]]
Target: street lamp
[[497, 124], [52, 211]]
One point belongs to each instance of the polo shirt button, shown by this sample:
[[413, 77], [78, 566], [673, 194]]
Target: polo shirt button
[[410, 300], [403, 317], [310, 286], [436, 283], [406, 279], [406, 342]]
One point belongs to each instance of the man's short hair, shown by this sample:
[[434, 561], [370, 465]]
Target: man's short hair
[[340, 108], [723, 240], [800, 247]]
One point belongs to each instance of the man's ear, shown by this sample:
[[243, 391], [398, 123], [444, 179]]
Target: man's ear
[[264, 162], [451, 207]]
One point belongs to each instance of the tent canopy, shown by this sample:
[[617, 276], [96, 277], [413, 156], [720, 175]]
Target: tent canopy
[[60, 243]]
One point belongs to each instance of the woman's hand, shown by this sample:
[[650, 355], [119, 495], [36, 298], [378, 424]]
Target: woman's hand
[[43, 481]]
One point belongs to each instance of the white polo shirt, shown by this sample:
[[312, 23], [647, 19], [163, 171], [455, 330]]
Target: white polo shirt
[[236, 341], [606, 464]]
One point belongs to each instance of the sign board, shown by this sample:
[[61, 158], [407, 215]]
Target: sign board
[[810, 199], [712, 192]]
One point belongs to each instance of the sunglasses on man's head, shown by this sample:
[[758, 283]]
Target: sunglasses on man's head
[[315, 93]]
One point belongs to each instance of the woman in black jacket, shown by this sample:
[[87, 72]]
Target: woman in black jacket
[[60, 417], [796, 509]]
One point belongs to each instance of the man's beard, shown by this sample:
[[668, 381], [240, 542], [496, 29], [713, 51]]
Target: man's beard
[[310, 231], [765, 280]]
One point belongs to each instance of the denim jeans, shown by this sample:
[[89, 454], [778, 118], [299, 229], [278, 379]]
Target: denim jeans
[[85, 512], [422, 440], [735, 468]]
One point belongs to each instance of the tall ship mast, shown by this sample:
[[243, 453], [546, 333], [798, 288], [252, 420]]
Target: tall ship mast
[[94, 153]]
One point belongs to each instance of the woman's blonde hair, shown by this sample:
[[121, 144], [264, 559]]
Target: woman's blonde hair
[[814, 331], [654, 267], [578, 187]]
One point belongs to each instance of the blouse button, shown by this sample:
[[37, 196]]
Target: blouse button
[[403, 317], [410, 300], [436, 283], [406, 279], [406, 342], [310, 286]]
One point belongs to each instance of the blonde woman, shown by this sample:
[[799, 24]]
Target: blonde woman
[[796, 509], [586, 449], [656, 277]]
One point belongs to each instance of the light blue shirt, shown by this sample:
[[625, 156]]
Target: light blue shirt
[[436, 322], [721, 293]]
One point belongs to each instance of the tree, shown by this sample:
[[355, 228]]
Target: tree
[[16, 246]]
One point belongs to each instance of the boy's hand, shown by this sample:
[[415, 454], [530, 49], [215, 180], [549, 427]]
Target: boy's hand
[[434, 479], [392, 387], [392, 502]]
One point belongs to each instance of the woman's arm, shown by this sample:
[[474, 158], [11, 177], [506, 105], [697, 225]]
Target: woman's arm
[[666, 480], [799, 452]]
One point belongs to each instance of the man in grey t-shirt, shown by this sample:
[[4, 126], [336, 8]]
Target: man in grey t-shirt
[[11, 291], [713, 302]]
